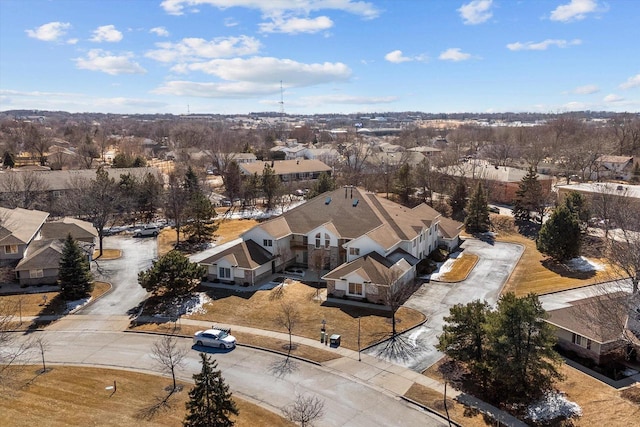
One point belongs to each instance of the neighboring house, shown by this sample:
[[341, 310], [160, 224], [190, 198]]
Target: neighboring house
[[500, 182], [614, 167], [578, 328], [325, 155], [631, 193], [42, 258], [18, 228], [426, 151], [329, 233], [288, 170]]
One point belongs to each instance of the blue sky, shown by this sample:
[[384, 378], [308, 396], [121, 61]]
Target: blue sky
[[332, 56]]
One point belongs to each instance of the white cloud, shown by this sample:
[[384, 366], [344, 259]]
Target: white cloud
[[349, 99], [396, 57], [216, 90], [297, 25], [613, 98], [274, 8], [191, 49], [476, 12], [230, 22], [129, 102], [454, 54], [100, 60], [50, 32], [575, 10], [106, 33], [73, 41], [268, 70], [159, 31], [586, 90], [543, 45], [633, 81]]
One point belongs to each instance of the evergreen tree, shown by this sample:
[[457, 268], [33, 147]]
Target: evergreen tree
[[201, 213], [458, 199], [403, 185], [529, 197], [8, 160], [270, 186], [172, 274], [559, 237], [210, 403], [477, 219], [232, 180], [148, 193], [324, 183], [191, 181], [74, 272], [578, 206]]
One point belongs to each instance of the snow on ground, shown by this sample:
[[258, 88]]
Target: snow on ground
[[185, 306], [553, 405], [443, 267], [583, 264], [76, 305], [255, 213]]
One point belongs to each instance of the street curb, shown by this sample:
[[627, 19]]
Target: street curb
[[255, 347], [399, 333], [93, 301], [465, 277], [431, 411]]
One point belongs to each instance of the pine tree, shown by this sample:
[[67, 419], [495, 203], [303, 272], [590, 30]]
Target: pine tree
[[210, 403], [8, 160], [172, 274], [74, 273], [403, 185], [458, 199], [270, 186], [477, 219], [324, 183], [529, 197], [559, 237]]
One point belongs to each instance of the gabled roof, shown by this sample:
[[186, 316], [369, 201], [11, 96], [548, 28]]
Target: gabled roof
[[247, 254], [580, 317], [19, 226], [449, 228], [615, 159], [372, 267], [285, 167], [43, 254], [61, 228]]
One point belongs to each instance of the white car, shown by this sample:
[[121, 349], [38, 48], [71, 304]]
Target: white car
[[147, 231], [214, 338]]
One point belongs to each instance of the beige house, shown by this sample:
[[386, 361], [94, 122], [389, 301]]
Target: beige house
[[614, 167], [288, 170], [18, 228]]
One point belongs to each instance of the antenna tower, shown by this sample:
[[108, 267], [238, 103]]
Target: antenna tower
[[281, 100]]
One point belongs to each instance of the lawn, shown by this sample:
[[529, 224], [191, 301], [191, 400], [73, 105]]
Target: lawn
[[77, 396], [536, 273], [260, 310], [107, 254], [460, 269]]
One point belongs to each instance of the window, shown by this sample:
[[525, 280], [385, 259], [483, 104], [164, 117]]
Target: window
[[576, 339], [267, 242], [327, 240], [354, 251], [36, 273], [318, 240], [588, 344], [11, 249], [225, 273], [355, 288]]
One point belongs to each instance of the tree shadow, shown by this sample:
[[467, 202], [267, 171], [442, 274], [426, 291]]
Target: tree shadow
[[564, 271], [283, 367], [397, 348], [158, 405]]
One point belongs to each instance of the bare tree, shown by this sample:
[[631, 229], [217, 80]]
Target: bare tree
[[288, 317], [169, 356], [12, 349], [42, 345], [304, 410], [175, 204], [26, 189]]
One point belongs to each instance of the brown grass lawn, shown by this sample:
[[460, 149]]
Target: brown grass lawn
[[535, 273], [107, 254], [461, 268], [228, 229], [260, 310], [32, 304], [600, 403], [280, 346], [76, 396]]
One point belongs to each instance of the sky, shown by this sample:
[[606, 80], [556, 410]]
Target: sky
[[319, 56]]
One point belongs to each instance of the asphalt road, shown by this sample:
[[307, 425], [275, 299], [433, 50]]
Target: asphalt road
[[415, 349], [122, 273], [250, 373]]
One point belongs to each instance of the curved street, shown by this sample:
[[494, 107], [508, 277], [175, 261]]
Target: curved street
[[251, 373], [415, 349]]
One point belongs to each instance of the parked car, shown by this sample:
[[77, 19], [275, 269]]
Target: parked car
[[214, 338], [147, 231], [294, 271], [494, 209]]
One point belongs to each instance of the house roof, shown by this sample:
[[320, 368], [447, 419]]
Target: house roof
[[19, 226], [615, 159], [449, 228], [485, 170], [610, 188], [247, 254], [579, 318], [42, 254], [64, 179], [373, 267], [61, 228], [285, 167], [351, 212]]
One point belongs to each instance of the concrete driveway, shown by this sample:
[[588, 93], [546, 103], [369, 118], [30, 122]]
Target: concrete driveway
[[415, 349], [122, 273], [249, 373]]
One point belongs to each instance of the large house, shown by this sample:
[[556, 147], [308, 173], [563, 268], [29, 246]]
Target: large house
[[350, 238], [33, 247], [288, 170]]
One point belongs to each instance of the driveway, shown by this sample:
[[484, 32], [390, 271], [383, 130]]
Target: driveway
[[415, 349], [249, 373], [122, 273]]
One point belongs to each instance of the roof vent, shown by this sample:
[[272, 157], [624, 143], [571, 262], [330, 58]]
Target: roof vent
[[327, 200], [355, 203]]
